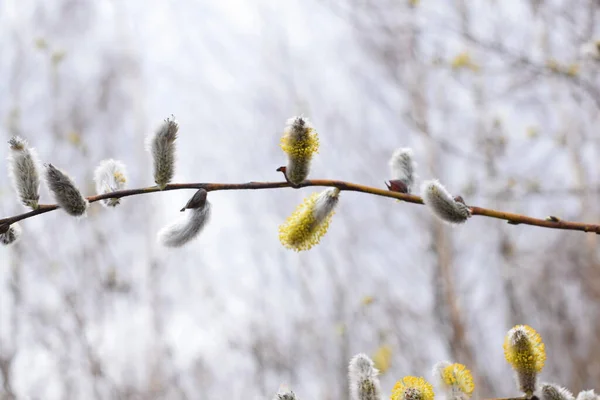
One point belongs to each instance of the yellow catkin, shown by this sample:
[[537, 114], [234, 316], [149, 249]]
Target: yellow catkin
[[459, 376], [301, 147], [412, 388], [301, 230], [524, 349]]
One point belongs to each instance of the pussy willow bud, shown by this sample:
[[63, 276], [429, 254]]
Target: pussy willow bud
[[526, 353], [455, 379], [299, 142], [442, 204], [68, 197], [162, 147], [402, 167], [285, 393], [362, 375], [550, 391], [23, 167], [110, 176], [10, 234], [188, 227], [587, 395], [412, 388], [310, 221]]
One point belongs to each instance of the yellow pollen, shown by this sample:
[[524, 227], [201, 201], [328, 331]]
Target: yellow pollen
[[412, 388], [458, 375], [524, 349], [301, 147], [301, 231]]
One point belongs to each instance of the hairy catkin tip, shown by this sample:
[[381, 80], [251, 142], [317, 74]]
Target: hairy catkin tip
[[110, 176], [162, 147], [188, 227], [299, 141], [11, 234], [455, 379], [551, 391], [362, 375], [412, 388], [67, 196], [310, 221], [442, 204], [23, 169], [403, 167]]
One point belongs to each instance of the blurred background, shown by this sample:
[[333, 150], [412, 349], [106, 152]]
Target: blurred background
[[500, 100]]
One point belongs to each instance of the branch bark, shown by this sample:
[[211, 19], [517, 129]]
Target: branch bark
[[511, 218]]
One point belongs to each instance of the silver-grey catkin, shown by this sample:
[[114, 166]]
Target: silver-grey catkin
[[12, 234], [162, 147], [442, 204], [551, 391], [23, 166], [362, 375], [67, 196], [188, 227], [110, 176], [403, 166]]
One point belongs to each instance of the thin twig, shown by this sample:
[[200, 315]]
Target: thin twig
[[511, 218]]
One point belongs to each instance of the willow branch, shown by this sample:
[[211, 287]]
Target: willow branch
[[511, 218]]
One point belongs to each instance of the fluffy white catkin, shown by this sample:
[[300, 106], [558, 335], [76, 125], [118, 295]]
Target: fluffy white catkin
[[12, 234], [551, 391], [162, 147], [587, 395], [362, 375], [442, 204], [23, 167], [110, 176], [188, 227], [403, 166], [68, 197]]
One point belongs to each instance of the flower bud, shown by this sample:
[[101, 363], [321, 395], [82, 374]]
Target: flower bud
[[285, 393], [23, 166], [402, 167], [299, 142], [310, 221], [455, 379], [442, 204], [68, 197], [188, 227], [362, 374], [110, 176], [162, 147], [587, 395], [526, 353], [550, 391], [10, 234], [412, 388]]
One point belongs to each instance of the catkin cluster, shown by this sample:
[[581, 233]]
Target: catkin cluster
[[523, 349]]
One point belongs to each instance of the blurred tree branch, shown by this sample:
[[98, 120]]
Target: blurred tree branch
[[512, 218]]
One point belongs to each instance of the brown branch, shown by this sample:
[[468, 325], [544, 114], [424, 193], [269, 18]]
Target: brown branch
[[511, 218]]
